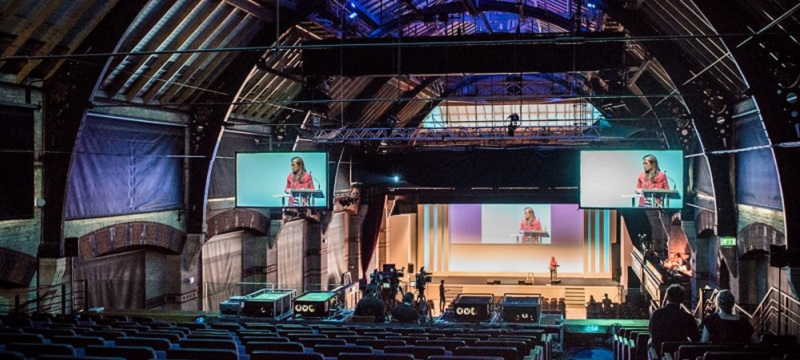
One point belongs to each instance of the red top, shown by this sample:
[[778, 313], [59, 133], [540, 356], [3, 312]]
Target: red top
[[534, 226], [306, 182], [643, 182], [553, 262]]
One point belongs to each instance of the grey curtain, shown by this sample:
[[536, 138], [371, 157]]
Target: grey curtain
[[115, 281]]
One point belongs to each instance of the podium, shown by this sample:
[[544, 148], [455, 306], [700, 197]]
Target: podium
[[663, 195], [301, 196], [535, 236]]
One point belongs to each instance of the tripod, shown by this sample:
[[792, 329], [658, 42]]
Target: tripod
[[422, 306]]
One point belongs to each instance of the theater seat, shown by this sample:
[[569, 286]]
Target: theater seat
[[462, 357], [284, 355], [36, 350], [335, 350], [356, 356], [11, 355], [202, 354], [127, 352], [419, 352], [156, 344], [507, 353], [735, 355]]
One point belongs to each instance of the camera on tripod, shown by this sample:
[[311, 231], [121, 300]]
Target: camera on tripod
[[389, 278], [422, 279]]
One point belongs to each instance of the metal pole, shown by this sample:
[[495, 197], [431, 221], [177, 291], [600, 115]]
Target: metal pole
[[63, 298], [780, 300]]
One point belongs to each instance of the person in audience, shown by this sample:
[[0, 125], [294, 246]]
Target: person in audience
[[530, 223], [671, 323], [592, 307], [442, 298], [371, 305], [406, 313], [606, 303], [651, 178], [298, 178], [725, 327]]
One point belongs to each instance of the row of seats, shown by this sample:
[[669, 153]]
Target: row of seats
[[123, 337], [631, 343]]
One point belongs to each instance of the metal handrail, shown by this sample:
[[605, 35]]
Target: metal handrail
[[53, 299]]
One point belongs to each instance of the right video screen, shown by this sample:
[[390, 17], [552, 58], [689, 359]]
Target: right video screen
[[645, 179]]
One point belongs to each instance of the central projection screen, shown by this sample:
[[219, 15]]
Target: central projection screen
[[609, 179], [263, 180], [485, 239]]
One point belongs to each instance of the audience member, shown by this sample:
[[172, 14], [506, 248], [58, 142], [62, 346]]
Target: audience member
[[725, 327], [671, 323], [371, 305], [606, 303], [406, 313]]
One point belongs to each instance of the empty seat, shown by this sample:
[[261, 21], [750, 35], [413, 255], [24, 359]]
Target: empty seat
[[156, 344], [449, 345], [356, 356], [280, 355], [36, 350], [311, 342], [250, 338], [12, 355], [735, 355], [380, 343], [274, 346], [335, 350], [419, 352], [49, 333], [172, 338], [127, 352], [202, 354], [78, 341], [21, 338], [462, 357], [108, 335], [233, 327], [507, 353], [207, 344]]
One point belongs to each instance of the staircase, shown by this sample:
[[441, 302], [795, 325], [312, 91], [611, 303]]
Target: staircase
[[575, 296]]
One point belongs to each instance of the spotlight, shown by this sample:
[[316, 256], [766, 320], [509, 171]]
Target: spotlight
[[396, 178], [513, 124]]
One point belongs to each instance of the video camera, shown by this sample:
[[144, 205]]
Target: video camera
[[422, 278], [388, 278]]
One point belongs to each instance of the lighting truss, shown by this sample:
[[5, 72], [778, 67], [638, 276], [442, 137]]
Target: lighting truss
[[580, 134]]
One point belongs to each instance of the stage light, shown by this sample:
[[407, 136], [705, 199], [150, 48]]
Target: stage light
[[352, 16], [396, 178], [513, 123]]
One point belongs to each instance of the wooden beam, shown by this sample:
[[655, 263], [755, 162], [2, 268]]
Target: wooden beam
[[153, 44], [53, 35], [30, 26], [209, 70], [198, 17], [84, 32], [253, 8], [202, 41], [230, 27]]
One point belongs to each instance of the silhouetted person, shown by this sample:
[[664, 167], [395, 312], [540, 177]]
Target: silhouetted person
[[725, 327], [442, 299], [371, 305], [592, 307], [606, 303], [671, 323], [406, 313]]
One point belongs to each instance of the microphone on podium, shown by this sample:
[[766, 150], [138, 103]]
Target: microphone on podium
[[315, 179], [669, 178]]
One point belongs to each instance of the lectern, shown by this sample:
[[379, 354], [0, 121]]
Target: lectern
[[535, 236], [302, 197], [660, 194]]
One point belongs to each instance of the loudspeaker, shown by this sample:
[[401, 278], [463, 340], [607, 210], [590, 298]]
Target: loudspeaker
[[616, 274], [633, 279], [70, 246], [410, 268], [777, 256]]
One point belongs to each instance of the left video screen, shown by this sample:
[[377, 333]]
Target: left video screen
[[282, 180]]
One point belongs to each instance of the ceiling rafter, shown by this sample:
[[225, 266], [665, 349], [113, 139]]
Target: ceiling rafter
[[31, 25], [205, 14], [159, 35], [254, 9], [81, 35], [237, 19], [53, 35]]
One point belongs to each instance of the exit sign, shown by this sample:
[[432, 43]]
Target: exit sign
[[727, 241]]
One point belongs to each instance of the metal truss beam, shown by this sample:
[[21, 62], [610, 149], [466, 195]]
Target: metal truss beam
[[563, 134]]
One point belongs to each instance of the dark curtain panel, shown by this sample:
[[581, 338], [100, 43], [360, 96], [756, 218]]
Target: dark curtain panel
[[756, 176], [115, 281], [702, 176], [223, 173], [124, 167], [16, 160]]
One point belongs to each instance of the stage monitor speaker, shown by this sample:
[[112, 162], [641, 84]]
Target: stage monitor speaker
[[777, 256], [70, 246], [472, 308]]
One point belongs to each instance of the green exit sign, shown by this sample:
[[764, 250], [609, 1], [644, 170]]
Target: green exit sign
[[727, 241]]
